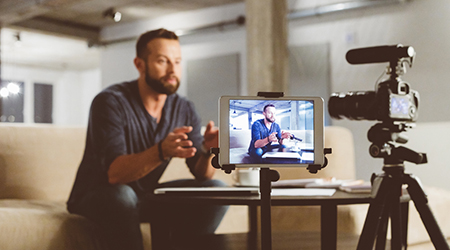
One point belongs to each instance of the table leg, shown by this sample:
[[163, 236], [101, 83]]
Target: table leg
[[328, 227], [252, 226]]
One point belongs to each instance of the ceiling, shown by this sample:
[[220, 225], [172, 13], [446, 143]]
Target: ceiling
[[66, 27], [85, 18], [58, 22]]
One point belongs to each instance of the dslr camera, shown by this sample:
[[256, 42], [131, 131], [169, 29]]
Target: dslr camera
[[392, 100]]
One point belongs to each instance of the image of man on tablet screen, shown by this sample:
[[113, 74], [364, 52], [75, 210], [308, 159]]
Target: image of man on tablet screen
[[266, 135]]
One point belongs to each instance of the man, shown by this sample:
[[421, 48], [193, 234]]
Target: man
[[265, 132], [134, 129]]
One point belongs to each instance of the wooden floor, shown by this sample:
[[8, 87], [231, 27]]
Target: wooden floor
[[280, 241], [304, 241], [423, 246]]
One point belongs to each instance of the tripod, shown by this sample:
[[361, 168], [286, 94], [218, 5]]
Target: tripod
[[387, 191]]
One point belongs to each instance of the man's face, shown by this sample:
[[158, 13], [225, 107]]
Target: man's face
[[163, 65], [269, 114]]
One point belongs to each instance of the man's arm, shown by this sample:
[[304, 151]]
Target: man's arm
[[128, 168], [263, 142], [203, 169]]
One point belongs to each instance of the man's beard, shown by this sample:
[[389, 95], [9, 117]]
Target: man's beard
[[270, 120], [160, 86]]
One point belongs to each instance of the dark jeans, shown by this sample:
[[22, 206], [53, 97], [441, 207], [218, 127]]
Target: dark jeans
[[119, 211]]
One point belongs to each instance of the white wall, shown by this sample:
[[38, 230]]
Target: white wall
[[73, 94], [116, 63]]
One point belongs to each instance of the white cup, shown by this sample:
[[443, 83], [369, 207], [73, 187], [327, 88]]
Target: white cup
[[246, 177]]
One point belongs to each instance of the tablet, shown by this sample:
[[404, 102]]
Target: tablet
[[271, 132]]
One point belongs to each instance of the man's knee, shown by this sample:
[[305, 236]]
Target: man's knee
[[256, 153], [107, 201], [259, 152], [123, 196]]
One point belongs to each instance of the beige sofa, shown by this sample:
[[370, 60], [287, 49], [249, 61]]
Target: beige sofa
[[38, 164]]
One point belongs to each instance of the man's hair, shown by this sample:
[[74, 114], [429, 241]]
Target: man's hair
[[268, 105], [141, 45]]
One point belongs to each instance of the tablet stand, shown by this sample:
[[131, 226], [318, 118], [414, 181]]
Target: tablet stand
[[266, 177]]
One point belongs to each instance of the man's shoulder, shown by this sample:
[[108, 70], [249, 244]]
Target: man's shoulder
[[178, 100], [258, 123], [124, 90], [120, 88]]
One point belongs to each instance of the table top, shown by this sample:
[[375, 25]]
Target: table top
[[338, 198]]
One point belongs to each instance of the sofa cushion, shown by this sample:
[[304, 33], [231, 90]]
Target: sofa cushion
[[39, 161], [36, 224]]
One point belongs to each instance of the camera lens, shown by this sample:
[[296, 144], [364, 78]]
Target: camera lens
[[353, 105]]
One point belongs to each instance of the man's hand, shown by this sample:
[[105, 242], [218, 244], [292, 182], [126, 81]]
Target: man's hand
[[203, 169], [285, 135], [131, 167], [273, 137], [211, 136], [176, 144]]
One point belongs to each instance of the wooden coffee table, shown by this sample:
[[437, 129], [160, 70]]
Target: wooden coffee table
[[328, 206]]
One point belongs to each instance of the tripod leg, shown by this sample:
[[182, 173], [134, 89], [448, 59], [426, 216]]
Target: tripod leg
[[396, 218], [380, 188], [382, 230], [405, 214], [421, 202], [393, 211]]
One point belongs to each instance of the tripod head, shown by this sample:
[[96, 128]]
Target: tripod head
[[384, 135]]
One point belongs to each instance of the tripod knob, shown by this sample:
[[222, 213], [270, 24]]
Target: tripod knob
[[378, 151]]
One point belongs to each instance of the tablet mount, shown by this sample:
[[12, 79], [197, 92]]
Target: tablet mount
[[266, 177]]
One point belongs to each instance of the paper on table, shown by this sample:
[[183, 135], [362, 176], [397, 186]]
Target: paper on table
[[296, 183], [302, 192]]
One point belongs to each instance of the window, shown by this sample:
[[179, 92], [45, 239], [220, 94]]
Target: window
[[11, 101]]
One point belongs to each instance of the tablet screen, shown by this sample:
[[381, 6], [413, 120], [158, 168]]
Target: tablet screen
[[271, 132]]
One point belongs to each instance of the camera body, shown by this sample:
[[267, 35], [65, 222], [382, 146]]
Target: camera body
[[387, 103], [392, 100]]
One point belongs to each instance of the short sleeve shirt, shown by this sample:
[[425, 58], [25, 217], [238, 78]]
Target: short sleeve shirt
[[119, 124]]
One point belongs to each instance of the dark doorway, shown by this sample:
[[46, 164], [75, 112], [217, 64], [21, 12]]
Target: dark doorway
[[43, 103]]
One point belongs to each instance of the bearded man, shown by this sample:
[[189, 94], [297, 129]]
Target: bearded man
[[266, 135], [135, 128]]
